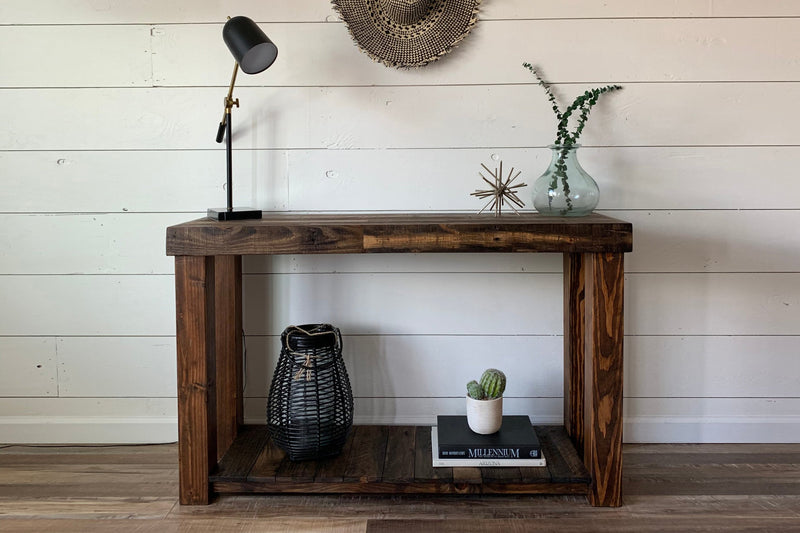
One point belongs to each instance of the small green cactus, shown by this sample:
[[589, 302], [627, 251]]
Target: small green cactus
[[493, 383], [491, 386], [475, 391]]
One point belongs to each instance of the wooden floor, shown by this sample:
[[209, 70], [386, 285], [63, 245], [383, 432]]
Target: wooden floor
[[134, 489]]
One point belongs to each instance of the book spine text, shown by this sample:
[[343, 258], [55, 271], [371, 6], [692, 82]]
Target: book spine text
[[469, 452]]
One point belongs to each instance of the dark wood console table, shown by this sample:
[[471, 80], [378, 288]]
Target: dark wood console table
[[219, 454]]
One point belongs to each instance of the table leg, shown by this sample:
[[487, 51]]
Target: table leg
[[228, 320], [574, 353], [195, 337], [603, 376]]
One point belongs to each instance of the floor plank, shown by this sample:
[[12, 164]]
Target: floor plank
[[95, 508], [243, 454], [399, 461], [331, 470], [581, 525], [367, 454], [423, 459], [267, 463], [208, 525]]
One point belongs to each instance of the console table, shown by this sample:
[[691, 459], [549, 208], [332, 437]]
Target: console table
[[217, 453]]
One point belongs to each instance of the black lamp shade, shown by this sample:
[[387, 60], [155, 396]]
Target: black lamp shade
[[250, 46]]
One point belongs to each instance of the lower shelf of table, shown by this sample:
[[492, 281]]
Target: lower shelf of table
[[392, 459]]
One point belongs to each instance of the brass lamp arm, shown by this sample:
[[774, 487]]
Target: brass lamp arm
[[229, 103]]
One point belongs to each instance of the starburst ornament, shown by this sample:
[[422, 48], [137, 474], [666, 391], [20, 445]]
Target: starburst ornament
[[501, 192]]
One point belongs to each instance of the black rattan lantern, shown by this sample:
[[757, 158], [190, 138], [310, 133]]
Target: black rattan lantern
[[310, 406]]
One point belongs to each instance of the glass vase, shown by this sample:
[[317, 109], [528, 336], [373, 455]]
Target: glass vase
[[565, 189]]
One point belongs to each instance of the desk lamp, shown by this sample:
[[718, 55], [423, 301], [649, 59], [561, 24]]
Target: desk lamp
[[254, 53]]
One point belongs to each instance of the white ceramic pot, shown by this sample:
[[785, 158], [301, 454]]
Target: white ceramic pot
[[484, 416]]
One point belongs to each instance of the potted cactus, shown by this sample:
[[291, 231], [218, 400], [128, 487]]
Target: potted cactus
[[485, 402]]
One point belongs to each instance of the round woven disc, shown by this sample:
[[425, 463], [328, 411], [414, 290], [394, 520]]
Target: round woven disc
[[408, 33]]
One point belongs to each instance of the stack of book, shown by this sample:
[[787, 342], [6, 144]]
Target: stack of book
[[454, 444]]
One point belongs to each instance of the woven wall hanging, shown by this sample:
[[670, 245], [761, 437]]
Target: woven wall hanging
[[407, 33], [310, 405]]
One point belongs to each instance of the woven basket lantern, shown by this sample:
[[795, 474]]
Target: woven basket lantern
[[310, 406]]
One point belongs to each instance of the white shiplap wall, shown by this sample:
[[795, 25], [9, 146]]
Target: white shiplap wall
[[107, 116]]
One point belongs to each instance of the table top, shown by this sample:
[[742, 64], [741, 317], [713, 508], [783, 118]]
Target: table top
[[346, 233]]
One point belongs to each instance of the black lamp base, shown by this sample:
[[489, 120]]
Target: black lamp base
[[237, 213]]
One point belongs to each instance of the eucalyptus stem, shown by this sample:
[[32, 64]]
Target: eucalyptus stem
[[566, 139]]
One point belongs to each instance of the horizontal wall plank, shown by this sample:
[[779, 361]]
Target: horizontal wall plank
[[410, 179], [29, 366], [88, 420], [521, 304], [658, 366], [148, 11], [109, 244], [713, 241], [394, 117], [629, 178], [187, 11], [408, 411], [88, 430], [645, 420], [99, 407], [712, 407], [166, 407], [141, 181], [712, 304], [407, 303], [74, 57], [754, 420], [134, 420], [130, 367], [440, 365], [333, 263], [710, 366], [688, 50], [88, 305], [640, 9], [658, 420], [708, 429], [655, 366]]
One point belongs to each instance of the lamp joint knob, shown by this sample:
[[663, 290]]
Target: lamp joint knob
[[229, 103]]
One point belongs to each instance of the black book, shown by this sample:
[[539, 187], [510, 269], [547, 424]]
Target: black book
[[515, 440]]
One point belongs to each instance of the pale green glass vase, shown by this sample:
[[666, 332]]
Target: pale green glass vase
[[565, 189]]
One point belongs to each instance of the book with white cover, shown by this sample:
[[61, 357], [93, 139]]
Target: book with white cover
[[437, 462]]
